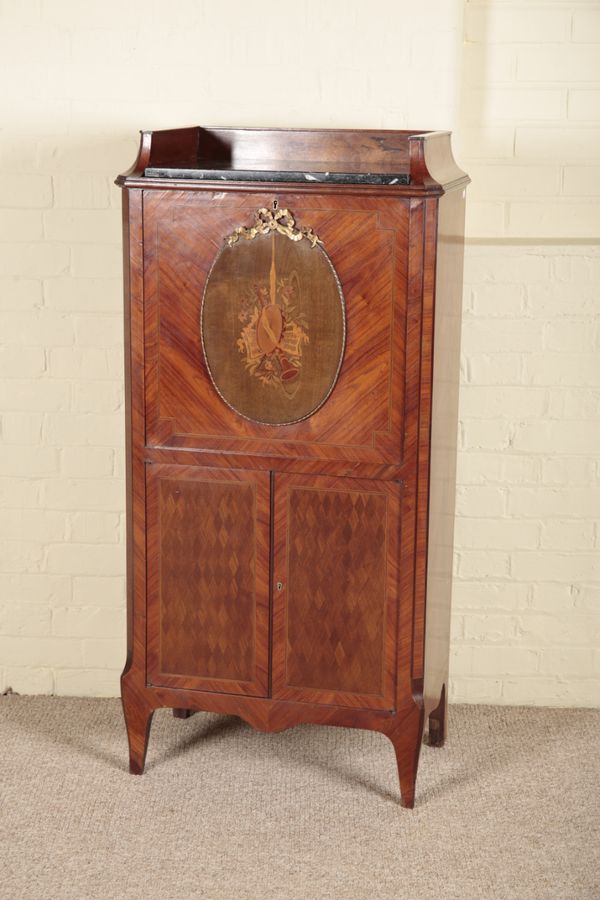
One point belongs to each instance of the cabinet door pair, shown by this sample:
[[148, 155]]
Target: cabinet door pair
[[273, 585]]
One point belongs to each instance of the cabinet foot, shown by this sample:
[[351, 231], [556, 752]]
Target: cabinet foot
[[406, 739], [138, 718], [437, 722], [183, 713]]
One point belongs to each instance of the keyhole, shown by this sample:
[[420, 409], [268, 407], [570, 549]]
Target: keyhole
[[280, 585], [275, 204]]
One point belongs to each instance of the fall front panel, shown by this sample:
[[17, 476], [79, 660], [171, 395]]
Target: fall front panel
[[336, 590], [208, 579], [270, 345]]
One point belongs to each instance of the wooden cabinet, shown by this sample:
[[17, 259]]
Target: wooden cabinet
[[292, 332]]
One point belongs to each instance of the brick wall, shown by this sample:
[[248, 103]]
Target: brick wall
[[526, 602], [521, 94], [527, 578]]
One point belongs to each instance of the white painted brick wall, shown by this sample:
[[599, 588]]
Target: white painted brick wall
[[522, 96], [527, 531]]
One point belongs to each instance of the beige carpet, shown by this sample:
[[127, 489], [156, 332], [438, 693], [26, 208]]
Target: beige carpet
[[508, 809]]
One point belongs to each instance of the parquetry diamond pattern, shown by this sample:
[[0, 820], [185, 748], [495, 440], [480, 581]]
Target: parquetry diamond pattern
[[336, 590], [207, 543]]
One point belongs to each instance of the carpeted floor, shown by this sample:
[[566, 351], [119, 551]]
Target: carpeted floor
[[510, 808]]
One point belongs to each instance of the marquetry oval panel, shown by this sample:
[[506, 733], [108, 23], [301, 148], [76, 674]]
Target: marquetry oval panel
[[273, 328]]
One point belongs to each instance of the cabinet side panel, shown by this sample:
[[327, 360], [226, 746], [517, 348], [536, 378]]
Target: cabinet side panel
[[422, 254], [125, 213], [208, 578], [134, 430], [444, 435]]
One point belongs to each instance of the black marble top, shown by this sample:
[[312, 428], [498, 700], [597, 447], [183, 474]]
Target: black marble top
[[278, 172]]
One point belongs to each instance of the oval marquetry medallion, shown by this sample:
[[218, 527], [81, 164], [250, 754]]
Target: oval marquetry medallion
[[273, 327]]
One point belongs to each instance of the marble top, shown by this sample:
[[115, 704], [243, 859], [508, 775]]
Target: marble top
[[352, 174]]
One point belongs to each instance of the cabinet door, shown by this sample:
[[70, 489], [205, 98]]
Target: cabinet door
[[336, 544], [208, 579]]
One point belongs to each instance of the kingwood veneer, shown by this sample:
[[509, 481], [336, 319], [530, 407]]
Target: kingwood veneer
[[291, 429]]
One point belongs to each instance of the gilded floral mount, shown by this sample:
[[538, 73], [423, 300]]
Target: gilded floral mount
[[267, 221]]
